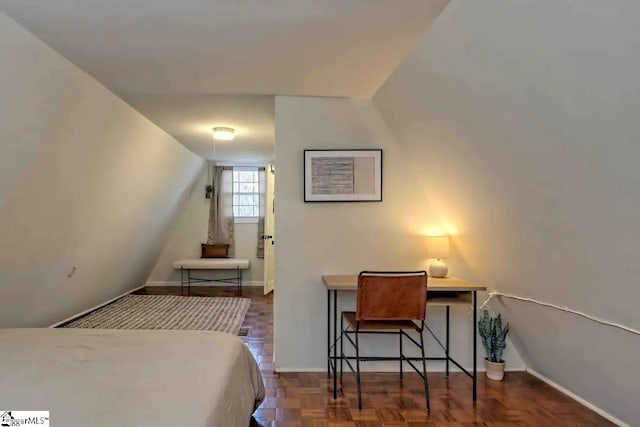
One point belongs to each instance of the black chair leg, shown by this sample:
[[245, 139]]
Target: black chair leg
[[358, 371], [424, 370], [401, 355], [341, 346]]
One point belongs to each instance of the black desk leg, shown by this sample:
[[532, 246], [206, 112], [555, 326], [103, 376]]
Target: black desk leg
[[475, 346], [335, 337], [328, 332], [188, 281], [181, 280], [447, 342]]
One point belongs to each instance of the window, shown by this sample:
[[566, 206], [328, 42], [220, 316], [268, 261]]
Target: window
[[246, 194]]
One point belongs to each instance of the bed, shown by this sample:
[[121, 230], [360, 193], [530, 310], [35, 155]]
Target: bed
[[186, 265], [130, 378]]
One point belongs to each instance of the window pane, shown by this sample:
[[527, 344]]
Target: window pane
[[246, 187], [245, 200], [245, 176], [236, 199], [236, 212], [245, 211], [236, 186]]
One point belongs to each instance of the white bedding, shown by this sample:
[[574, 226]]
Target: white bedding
[[129, 377], [212, 264]]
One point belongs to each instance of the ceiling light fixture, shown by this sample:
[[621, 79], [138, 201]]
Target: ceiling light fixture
[[224, 134]]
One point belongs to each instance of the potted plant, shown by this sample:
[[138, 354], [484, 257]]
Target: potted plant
[[209, 191], [494, 342]]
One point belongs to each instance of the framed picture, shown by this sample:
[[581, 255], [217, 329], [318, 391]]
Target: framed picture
[[342, 175]]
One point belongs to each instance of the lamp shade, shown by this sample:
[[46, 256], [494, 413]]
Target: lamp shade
[[438, 247]]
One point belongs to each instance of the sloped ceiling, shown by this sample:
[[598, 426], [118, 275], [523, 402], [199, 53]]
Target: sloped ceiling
[[83, 175], [523, 118], [163, 55]]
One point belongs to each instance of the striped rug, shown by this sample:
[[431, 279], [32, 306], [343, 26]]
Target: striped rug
[[168, 312]]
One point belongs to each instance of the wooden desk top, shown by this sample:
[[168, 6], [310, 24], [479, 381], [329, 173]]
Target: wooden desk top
[[349, 282]]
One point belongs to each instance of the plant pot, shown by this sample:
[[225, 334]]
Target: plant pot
[[495, 371]]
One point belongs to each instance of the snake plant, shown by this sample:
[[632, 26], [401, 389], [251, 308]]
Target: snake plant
[[493, 336]]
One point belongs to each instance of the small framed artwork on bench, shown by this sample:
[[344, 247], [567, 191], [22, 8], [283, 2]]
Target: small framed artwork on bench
[[343, 175]]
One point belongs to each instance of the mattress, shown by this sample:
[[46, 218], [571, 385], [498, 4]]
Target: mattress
[[131, 378], [212, 264]]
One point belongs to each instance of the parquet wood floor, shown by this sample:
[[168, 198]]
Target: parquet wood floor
[[305, 399]]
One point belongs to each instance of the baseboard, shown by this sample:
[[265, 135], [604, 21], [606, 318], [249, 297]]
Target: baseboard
[[578, 399], [176, 283], [75, 316]]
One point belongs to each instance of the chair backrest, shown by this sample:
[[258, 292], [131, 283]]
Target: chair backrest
[[391, 295]]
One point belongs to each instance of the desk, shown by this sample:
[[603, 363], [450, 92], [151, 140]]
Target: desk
[[444, 292]]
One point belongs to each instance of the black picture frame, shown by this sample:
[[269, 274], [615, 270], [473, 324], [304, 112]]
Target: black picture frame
[[364, 170]]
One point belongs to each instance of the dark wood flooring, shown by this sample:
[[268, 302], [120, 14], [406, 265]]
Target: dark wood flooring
[[305, 399]]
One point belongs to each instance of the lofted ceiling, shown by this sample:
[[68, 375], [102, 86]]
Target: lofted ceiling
[[171, 59]]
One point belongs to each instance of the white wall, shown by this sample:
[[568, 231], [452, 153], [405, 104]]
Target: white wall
[[247, 247], [523, 116], [313, 239], [190, 231], [86, 180]]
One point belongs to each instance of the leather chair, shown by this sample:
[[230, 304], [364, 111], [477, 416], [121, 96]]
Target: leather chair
[[387, 303]]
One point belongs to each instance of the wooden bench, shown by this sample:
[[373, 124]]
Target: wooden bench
[[186, 265]]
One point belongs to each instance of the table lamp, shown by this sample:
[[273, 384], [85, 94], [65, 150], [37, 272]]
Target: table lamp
[[438, 248]]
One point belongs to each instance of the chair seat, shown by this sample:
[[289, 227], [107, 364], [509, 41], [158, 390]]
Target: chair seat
[[350, 317]]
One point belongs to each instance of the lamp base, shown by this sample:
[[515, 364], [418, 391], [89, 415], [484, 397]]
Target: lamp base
[[438, 269]]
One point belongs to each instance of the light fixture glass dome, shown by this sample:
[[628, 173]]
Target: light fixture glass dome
[[224, 134]]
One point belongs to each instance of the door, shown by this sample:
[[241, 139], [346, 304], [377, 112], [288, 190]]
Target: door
[[269, 231]]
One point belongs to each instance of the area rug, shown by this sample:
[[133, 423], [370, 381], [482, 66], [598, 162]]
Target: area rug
[[168, 312]]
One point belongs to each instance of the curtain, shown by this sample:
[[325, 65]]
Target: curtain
[[221, 225], [261, 204]]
